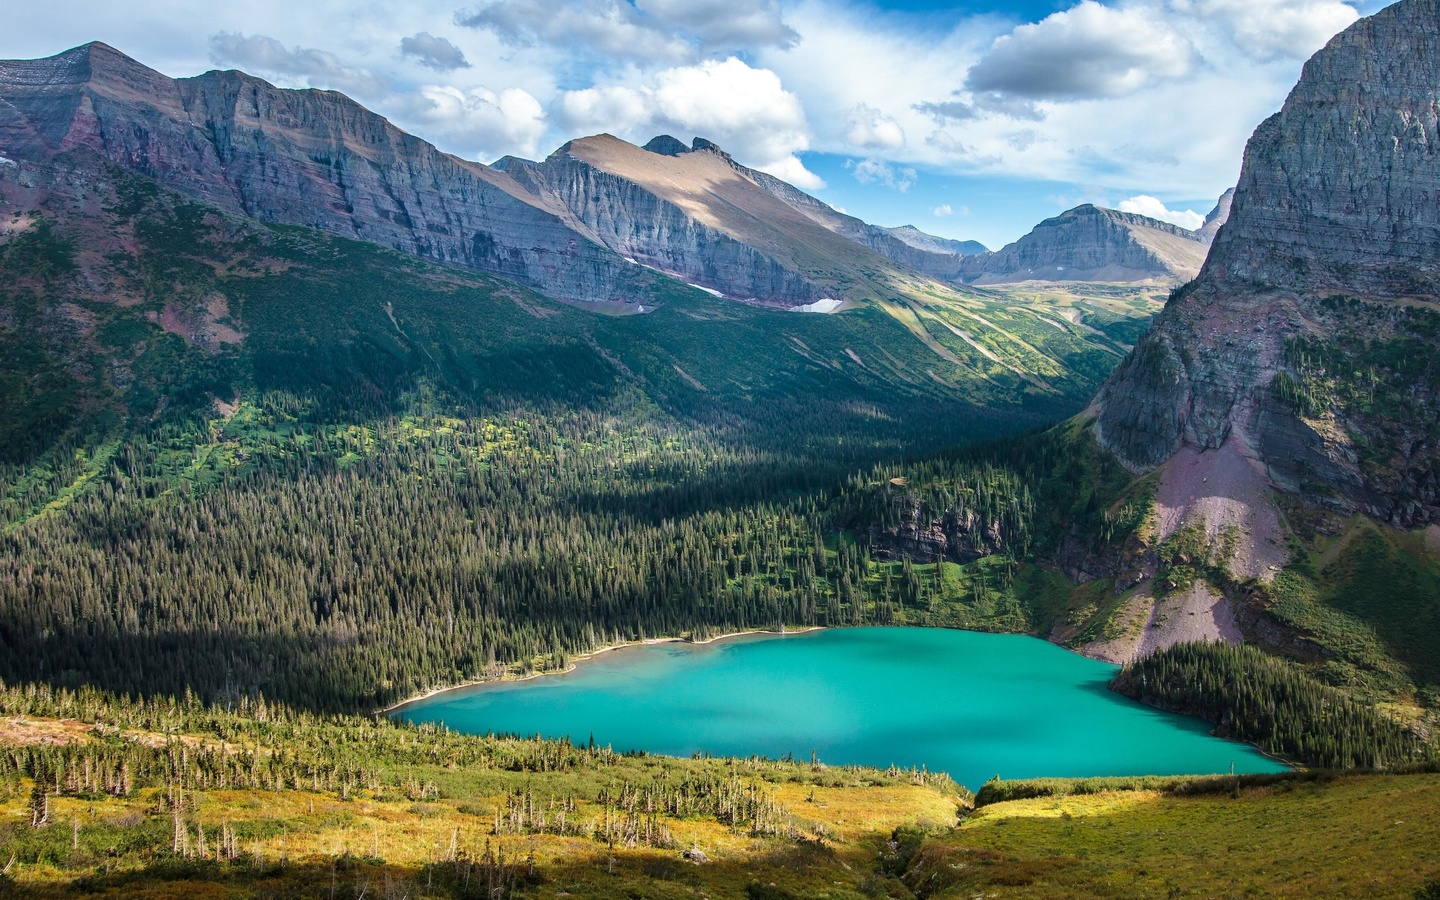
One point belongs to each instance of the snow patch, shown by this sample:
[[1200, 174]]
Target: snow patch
[[823, 305], [8, 162], [711, 291]]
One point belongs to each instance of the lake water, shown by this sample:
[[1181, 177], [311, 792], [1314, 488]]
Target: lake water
[[973, 705]]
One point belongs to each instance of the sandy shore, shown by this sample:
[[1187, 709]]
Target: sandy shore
[[576, 661]]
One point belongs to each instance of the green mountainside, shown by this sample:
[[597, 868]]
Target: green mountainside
[[241, 457], [258, 482]]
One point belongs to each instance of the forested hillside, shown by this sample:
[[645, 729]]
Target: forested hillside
[[240, 458]]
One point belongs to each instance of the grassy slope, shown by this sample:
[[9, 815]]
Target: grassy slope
[[117, 304], [1345, 836], [1358, 836]]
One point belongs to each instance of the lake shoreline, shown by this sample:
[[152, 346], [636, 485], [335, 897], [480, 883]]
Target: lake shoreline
[[585, 657], [1042, 707]]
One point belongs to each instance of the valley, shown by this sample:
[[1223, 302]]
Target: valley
[[303, 418]]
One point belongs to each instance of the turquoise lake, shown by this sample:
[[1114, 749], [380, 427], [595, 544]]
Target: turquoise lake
[[973, 705]]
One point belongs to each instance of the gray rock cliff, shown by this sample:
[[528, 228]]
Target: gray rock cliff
[[1090, 243], [1311, 334], [313, 158], [694, 212]]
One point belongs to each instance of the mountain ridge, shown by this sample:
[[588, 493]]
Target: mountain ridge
[[1093, 243]]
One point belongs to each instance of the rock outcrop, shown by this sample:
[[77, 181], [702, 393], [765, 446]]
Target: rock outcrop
[[1090, 243], [1217, 217], [1308, 341], [313, 158]]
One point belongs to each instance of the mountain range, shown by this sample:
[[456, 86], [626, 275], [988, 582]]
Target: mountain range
[[595, 222]]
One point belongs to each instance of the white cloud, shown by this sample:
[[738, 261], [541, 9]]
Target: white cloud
[[943, 210], [485, 124], [878, 171], [258, 54], [791, 169], [1274, 29], [1145, 205], [434, 52], [1086, 51], [722, 24], [645, 30], [745, 110], [871, 130]]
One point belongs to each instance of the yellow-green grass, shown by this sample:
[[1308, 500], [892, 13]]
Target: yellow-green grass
[[1356, 836], [425, 821]]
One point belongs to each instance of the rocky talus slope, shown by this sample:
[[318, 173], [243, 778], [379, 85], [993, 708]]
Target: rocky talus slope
[[1090, 243], [313, 158], [1309, 341]]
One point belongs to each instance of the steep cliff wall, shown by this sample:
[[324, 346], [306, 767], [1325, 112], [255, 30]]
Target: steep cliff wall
[[313, 158], [1309, 341], [695, 212]]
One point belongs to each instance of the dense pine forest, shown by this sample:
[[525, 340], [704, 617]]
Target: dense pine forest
[[246, 460], [249, 461], [1270, 702]]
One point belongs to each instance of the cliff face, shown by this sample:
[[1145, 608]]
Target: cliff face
[[695, 213], [1308, 342], [1089, 243], [313, 158], [650, 207]]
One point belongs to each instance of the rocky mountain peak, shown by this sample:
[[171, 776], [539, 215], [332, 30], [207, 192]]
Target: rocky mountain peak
[[1299, 344], [1217, 216], [1337, 192], [1092, 243], [666, 145]]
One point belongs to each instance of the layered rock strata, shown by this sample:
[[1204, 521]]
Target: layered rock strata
[[1310, 337], [312, 158]]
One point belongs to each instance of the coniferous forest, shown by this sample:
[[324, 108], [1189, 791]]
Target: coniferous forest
[[250, 461]]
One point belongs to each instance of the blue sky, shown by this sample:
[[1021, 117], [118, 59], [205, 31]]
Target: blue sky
[[969, 120]]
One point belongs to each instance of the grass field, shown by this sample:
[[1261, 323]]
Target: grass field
[[427, 826], [1354, 836]]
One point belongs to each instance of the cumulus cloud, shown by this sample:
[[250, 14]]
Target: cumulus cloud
[[1274, 29], [943, 210], [485, 123], [667, 30], [745, 110], [791, 169], [1145, 205], [434, 52], [878, 171], [1084, 52], [872, 130], [263, 55]]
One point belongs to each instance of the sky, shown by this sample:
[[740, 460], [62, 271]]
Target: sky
[[971, 120]]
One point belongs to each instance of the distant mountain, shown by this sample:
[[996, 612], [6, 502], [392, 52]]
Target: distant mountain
[[600, 220], [1090, 243], [929, 242], [1217, 217], [694, 212]]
